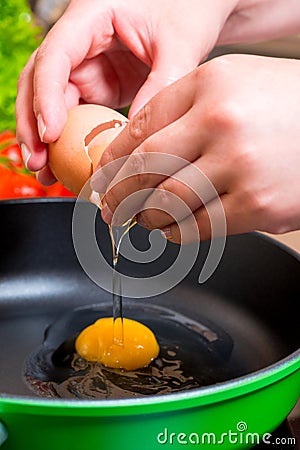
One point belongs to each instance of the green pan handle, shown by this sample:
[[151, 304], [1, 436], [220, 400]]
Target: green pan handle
[[3, 434]]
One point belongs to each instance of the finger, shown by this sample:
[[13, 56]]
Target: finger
[[153, 162], [64, 48], [151, 132], [196, 185], [111, 79], [33, 150], [50, 84], [210, 221], [159, 112], [45, 176], [97, 81], [160, 77], [179, 49]]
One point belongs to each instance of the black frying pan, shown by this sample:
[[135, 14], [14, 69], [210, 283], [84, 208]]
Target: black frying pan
[[250, 303]]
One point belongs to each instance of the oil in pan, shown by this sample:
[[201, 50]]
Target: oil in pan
[[192, 354]]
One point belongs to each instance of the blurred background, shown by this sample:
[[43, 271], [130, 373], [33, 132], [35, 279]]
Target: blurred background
[[22, 27], [48, 11], [23, 24]]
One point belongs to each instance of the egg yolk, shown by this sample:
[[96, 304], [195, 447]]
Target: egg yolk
[[120, 344]]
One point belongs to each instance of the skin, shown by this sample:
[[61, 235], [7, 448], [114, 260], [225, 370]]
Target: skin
[[120, 52], [243, 137], [115, 52]]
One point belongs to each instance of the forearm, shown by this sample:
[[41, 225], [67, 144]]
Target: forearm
[[258, 20]]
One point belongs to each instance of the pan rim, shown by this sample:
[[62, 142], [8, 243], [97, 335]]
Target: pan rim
[[25, 200]]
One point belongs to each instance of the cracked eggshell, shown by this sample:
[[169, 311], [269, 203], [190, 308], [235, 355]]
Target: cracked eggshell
[[73, 162]]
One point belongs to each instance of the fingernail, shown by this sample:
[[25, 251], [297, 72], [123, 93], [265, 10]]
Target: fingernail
[[106, 214], [166, 233], [26, 154], [96, 199], [41, 127]]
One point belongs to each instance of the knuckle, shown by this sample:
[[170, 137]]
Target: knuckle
[[243, 160], [137, 163], [160, 208], [260, 204], [263, 207], [277, 228], [227, 112], [166, 195], [139, 125], [280, 219], [111, 199], [215, 69], [283, 227], [255, 201], [221, 66], [107, 156], [225, 116], [141, 180]]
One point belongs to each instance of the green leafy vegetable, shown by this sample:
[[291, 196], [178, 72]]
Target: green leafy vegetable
[[19, 37]]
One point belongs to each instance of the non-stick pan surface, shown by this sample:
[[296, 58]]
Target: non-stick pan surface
[[252, 296]]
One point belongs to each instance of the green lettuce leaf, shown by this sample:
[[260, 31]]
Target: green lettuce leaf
[[19, 37]]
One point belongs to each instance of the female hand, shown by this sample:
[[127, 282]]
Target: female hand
[[110, 52], [236, 118]]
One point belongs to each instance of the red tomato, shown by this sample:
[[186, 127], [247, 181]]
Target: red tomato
[[58, 190], [15, 180], [13, 153], [6, 136], [19, 185]]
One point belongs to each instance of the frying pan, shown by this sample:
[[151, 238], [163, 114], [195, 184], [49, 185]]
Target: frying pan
[[252, 297]]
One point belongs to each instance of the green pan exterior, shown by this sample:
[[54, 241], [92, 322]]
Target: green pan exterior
[[229, 415]]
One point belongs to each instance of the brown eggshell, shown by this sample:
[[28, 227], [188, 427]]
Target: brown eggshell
[[68, 158]]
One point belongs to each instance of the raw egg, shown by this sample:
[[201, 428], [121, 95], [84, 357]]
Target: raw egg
[[75, 155], [119, 344]]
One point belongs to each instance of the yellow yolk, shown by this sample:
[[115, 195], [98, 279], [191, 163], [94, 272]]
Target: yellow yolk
[[129, 345]]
